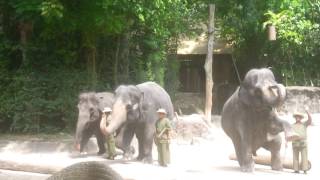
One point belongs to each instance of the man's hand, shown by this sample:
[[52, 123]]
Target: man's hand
[[104, 115], [309, 121]]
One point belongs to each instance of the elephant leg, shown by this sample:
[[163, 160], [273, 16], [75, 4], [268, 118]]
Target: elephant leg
[[236, 144], [245, 152], [123, 141], [274, 147], [145, 140], [100, 141]]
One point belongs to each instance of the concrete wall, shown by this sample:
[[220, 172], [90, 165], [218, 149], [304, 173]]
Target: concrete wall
[[188, 103], [298, 97]]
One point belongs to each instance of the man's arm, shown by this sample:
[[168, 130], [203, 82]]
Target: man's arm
[[309, 121], [103, 124]]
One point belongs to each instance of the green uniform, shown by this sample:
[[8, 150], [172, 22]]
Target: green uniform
[[300, 147], [163, 127], [111, 145]]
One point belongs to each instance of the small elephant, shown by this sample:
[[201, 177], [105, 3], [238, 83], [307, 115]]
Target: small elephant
[[249, 118], [90, 107], [134, 112]]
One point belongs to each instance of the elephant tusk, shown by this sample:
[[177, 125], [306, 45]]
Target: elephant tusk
[[274, 91]]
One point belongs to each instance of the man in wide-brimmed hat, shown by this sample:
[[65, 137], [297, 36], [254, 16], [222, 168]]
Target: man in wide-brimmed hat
[[162, 137], [299, 145], [110, 138]]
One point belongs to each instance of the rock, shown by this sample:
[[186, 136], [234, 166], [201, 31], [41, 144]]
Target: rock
[[188, 127]]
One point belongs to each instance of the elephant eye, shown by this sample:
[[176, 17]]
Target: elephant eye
[[91, 111], [258, 92], [129, 107], [87, 125]]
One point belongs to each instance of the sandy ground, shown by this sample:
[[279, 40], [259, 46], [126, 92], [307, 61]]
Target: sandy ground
[[199, 159]]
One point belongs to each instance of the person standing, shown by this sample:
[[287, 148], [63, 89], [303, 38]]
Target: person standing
[[106, 117], [299, 145], [162, 137]]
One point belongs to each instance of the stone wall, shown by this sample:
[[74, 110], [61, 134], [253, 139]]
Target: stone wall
[[188, 103], [300, 97]]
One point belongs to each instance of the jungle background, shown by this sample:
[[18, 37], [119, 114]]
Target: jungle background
[[51, 50]]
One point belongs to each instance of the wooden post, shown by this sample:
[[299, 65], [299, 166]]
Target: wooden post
[[208, 64]]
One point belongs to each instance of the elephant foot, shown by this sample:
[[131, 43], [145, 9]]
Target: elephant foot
[[277, 168], [248, 168], [139, 158], [128, 156], [100, 152], [145, 159]]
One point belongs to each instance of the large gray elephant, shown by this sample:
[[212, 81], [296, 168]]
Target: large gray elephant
[[134, 112], [249, 118], [90, 107]]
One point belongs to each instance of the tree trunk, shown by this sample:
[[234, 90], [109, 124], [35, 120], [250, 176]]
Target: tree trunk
[[124, 57], [91, 66], [208, 65], [116, 62], [25, 29]]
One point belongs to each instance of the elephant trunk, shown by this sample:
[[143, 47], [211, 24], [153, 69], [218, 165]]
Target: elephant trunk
[[118, 117], [281, 94], [274, 95], [78, 138], [80, 130]]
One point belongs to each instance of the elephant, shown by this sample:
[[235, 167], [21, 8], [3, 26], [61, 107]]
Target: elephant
[[250, 119], [86, 171], [134, 113], [90, 107]]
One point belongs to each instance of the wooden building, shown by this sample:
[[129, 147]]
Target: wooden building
[[191, 54]]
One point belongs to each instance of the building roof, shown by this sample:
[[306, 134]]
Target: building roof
[[199, 45]]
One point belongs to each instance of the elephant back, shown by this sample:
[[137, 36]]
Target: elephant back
[[157, 97]]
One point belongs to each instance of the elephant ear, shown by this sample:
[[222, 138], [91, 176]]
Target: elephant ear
[[100, 103], [244, 94], [141, 107]]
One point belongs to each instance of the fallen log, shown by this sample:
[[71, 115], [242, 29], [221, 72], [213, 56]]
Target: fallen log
[[266, 160]]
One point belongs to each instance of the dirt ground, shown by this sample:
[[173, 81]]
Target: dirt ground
[[197, 158]]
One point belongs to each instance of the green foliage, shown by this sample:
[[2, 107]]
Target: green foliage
[[298, 45], [51, 50], [51, 9], [294, 55], [70, 46]]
